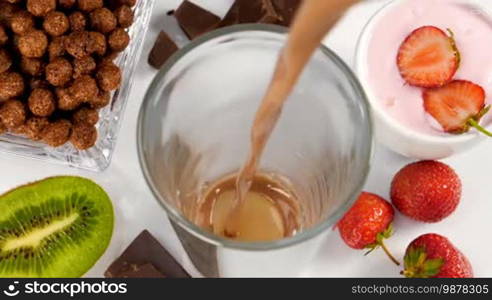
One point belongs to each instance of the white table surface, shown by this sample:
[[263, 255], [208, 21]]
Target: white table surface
[[135, 208]]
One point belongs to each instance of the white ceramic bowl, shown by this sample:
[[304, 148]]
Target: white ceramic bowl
[[392, 133]]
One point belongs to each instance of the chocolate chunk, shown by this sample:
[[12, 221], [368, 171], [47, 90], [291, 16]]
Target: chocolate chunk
[[195, 20], [251, 11], [145, 249], [142, 271], [163, 48], [287, 9]]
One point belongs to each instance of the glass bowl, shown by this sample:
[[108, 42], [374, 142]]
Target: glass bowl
[[98, 158]]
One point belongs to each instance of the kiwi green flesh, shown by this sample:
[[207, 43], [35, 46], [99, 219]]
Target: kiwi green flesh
[[57, 227]]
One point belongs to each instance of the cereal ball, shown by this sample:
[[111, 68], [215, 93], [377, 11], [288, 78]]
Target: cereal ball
[[12, 114], [33, 44], [77, 21], [76, 44], [5, 60], [7, 11], [57, 133], [66, 3], [84, 136], [109, 58], [11, 85], [34, 127], [41, 102], [56, 23], [38, 83], [66, 101], [103, 20], [118, 40], [4, 38], [101, 100], [83, 66], [41, 8], [84, 88], [59, 72], [109, 77], [32, 66], [89, 5], [56, 47], [124, 15], [128, 2], [97, 43], [22, 22], [86, 115]]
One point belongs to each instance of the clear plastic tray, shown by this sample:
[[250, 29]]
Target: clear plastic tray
[[98, 158]]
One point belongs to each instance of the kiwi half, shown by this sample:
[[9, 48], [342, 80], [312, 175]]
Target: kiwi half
[[57, 227]]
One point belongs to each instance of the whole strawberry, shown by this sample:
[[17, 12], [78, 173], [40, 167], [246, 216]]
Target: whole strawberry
[[432, 255], [368, 223], [426, 191]]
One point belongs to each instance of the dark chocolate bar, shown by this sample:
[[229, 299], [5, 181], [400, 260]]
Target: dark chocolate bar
[[195, 20], [142, 271], [163, 48], [287, 10], [251, 11], [144, 250]]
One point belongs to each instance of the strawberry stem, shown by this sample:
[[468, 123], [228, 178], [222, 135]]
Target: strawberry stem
[[474, 123], [385, 249]]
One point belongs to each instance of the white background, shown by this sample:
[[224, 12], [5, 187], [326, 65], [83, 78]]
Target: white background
[[468, 228]]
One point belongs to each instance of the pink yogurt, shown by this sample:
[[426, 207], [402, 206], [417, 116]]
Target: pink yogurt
[[473, 33]]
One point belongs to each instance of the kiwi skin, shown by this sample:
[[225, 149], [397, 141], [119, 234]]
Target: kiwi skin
[[56, 227]]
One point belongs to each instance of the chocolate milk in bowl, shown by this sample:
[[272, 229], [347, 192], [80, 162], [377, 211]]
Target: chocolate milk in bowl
[[194, 135]]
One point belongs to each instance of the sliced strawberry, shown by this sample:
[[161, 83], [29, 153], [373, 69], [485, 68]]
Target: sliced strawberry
[[457, 106], [428, 57]]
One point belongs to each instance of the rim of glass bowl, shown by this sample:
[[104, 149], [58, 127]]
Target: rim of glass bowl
[[215, 240]]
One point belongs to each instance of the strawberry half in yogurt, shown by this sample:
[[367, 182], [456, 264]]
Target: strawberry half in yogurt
[[461, 55]]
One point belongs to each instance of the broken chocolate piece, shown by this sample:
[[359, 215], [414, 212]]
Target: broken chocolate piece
[[145, 249], [287, 9], [195, 20], [142, 271], [163, 48], [251, 11]]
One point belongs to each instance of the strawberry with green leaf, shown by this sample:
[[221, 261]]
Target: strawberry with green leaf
[[368, 223], [434, 256]]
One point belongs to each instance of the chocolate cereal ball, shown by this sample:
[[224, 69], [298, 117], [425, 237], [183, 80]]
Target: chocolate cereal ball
[[84, 88], [5, 60], [97, 43], [32, 66], [34, 127], [101, 100], [59, 72], [77, 21], [103, 20], [33, 44], [86, 115], [76, 44], [7, 11], [66, 101], [89, 5], [109, 77], [84, 136], [4, 38], [57, 133], [66, 4], [3, 129], [56, 47], [22, 22], [41, 8], [128, 2], [124, 15], [42, 103], [83, 66], [56, 23], [12, 114], [118, 40], [38, 83], [11, 85]]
